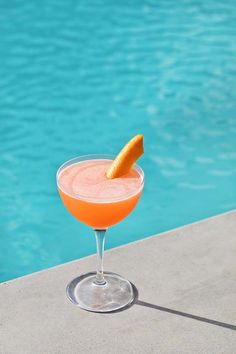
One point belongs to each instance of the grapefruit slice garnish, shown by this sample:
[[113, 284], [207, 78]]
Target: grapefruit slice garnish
[[126, 158]]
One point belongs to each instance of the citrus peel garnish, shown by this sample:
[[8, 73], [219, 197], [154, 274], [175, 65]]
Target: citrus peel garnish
[[126, 158]]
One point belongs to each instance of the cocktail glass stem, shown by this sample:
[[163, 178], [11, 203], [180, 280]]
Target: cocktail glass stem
[[100, 241]]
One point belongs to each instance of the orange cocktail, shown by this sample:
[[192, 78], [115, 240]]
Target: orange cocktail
[[100, 191], [94, 199]]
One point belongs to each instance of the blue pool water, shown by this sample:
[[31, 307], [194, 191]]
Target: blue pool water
[[80, 77]]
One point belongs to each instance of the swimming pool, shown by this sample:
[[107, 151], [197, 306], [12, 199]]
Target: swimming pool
[[82, 77]]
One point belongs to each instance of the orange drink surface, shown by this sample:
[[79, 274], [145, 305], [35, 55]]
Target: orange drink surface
[[94, 199]]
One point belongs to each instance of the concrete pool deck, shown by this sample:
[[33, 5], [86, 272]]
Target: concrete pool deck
[[186, 279]]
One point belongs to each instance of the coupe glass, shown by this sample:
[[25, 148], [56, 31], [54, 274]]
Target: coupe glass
[[100, 291]]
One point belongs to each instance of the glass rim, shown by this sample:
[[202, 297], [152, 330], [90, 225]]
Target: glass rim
[[97, 157]]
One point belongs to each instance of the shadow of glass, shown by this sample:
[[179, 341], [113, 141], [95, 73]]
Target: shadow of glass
[[175, 312], [184, 314]]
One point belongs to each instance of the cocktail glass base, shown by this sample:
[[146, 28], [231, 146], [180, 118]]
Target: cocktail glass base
[[115, 294]]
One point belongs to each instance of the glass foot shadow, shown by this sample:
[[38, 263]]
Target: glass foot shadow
[[184, 314], [138, 302]]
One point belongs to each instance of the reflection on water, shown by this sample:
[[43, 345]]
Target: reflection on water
[[79, 78]]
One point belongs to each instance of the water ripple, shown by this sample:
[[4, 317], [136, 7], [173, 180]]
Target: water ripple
[[79, 78]]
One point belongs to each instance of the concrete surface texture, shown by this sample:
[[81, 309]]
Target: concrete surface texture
[[186, 280]]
